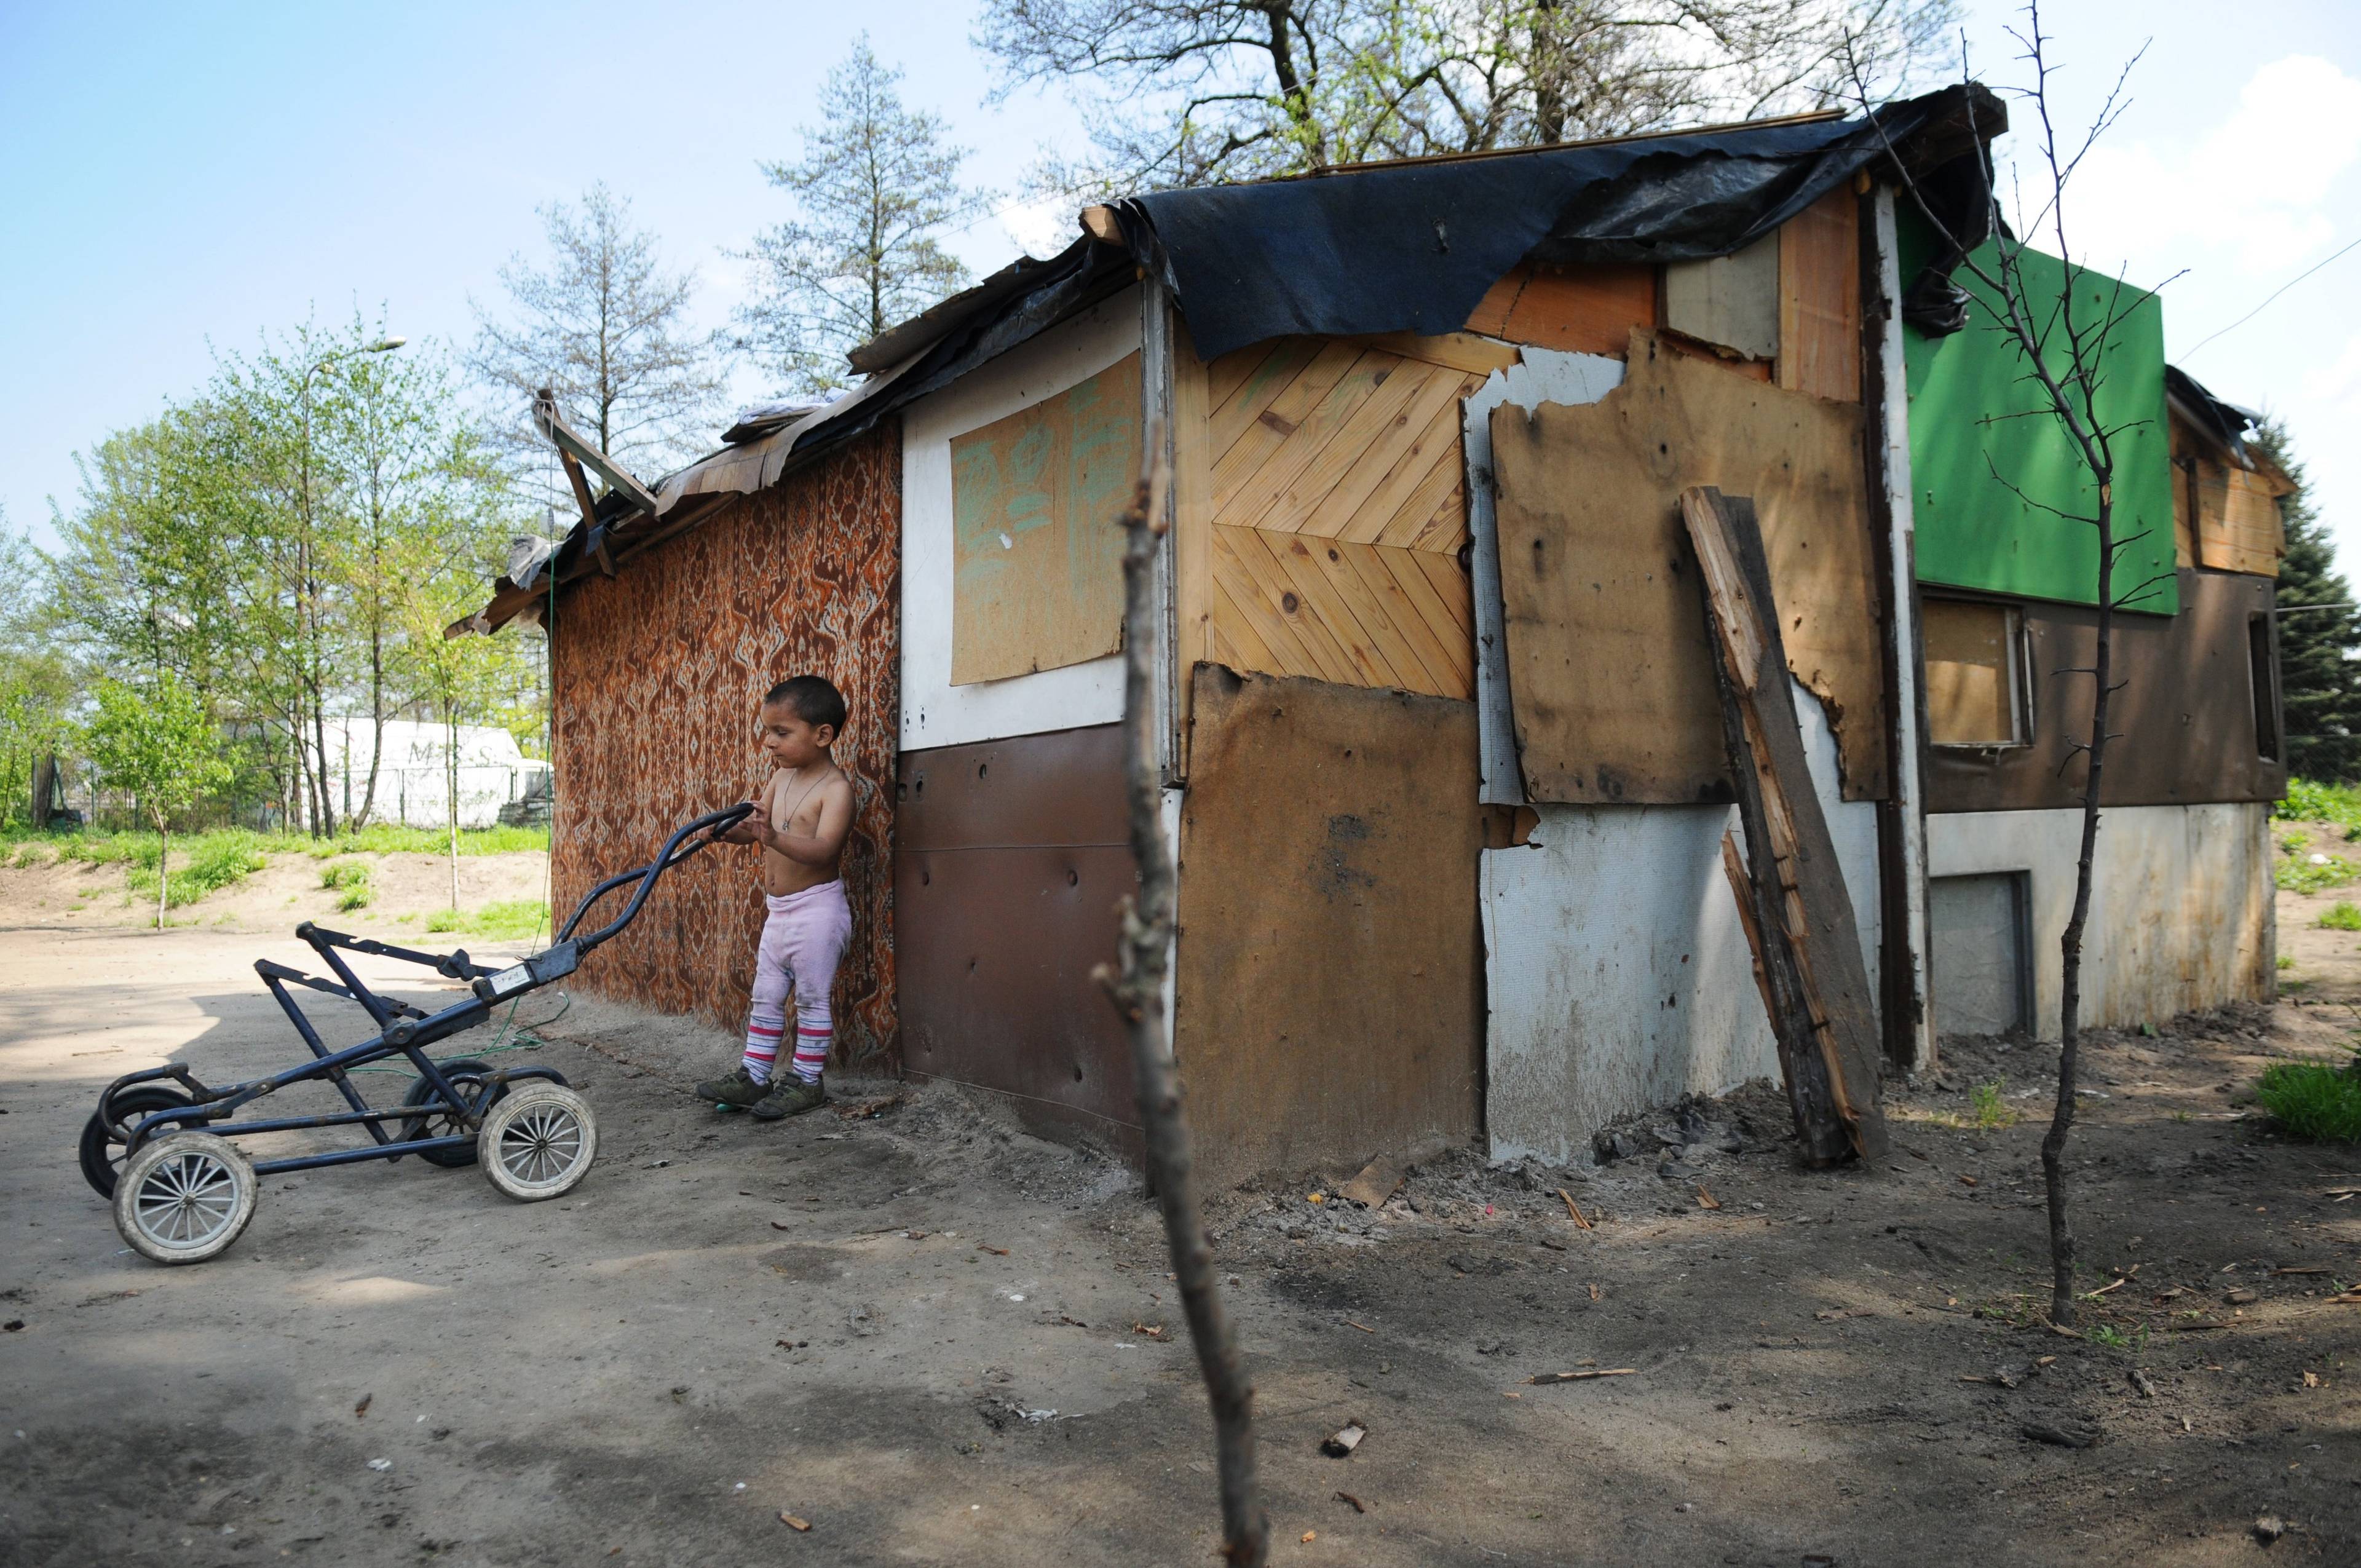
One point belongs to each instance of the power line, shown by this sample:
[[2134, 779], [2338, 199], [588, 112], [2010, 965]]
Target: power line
[[2282, 289]]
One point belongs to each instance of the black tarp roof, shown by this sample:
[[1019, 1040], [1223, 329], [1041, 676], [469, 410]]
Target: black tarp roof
[[1405, 247]]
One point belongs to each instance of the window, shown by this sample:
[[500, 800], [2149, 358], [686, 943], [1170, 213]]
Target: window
[[1978, 694], [2262, 666]]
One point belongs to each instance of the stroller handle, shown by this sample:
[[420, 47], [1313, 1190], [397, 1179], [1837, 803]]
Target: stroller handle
[[711, 825]]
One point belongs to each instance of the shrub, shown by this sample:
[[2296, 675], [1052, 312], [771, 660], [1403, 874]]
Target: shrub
[[215, 861], [2313, 1099], [2302, 875]]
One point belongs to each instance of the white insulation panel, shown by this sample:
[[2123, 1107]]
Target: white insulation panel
[[1616, 973]]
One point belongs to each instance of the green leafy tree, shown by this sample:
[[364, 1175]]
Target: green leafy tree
[[155, 742], [2319, 632], [875, 186], [36, 681]]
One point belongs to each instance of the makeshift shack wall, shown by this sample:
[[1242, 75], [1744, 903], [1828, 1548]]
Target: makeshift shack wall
[[935, 712], [2186, 713], [1327, 995], [1616, 971], [1013, 849], [657, 674], [2180, 904]]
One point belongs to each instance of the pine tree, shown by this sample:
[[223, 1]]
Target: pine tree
[[2320, 632], [876, 185]]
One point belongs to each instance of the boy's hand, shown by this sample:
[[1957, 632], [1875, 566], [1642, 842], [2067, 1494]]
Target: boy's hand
[[749, 828]]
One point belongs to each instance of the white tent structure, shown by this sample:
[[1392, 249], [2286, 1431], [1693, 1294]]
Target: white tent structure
[[412, 779]]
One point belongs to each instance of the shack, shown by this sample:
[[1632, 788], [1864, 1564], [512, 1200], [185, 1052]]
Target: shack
[[1437, 717]]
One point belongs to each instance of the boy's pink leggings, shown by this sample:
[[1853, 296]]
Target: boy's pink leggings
[[802, 940]]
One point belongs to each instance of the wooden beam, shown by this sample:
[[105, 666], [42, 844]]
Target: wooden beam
[[1793, 900], [570, 444], [1101, 225], [581, 483]]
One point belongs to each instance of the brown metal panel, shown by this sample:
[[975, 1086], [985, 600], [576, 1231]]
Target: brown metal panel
[[657, 674], [2186, 712], [1329, 984], [1012, 857], [1065, 787]]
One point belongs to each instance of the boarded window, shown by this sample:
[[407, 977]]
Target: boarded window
[[2263, 674], [1975, 673], [1983, 968], [1036, 542], [2238, 527]]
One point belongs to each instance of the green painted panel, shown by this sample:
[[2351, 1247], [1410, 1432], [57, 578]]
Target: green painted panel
[[1979, 425]]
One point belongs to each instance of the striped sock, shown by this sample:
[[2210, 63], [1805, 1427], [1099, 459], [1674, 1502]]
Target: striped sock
[[763, 1034], [811, 1052]]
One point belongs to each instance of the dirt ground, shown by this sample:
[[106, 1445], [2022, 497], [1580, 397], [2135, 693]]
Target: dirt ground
[[940, 1341], [403, 890]]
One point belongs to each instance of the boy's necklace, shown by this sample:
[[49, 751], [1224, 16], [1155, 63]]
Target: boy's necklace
[[801, 798]]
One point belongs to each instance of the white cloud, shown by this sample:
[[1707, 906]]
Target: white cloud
[[2248, 195], [1042, 226]]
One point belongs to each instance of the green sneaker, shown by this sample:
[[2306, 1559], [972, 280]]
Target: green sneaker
[[791, 1096], [737, 1093]]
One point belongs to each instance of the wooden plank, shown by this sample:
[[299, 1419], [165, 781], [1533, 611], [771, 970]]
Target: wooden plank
[[1365, 439], [1580, 308], [1254, 473], [1235, 642], [1258, 579], [1412, 433], [1441, 594], [1272, 400], [1446, 528], [1819, 298], [1463, 351], [1970, 666], [1371, 613], [1429, 640], [1036, 551], [1807, 941], [1416, 513], [1437, 441], [1366, 664], [1225, 376]]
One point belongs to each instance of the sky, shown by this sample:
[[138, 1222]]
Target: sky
[[178, 179]]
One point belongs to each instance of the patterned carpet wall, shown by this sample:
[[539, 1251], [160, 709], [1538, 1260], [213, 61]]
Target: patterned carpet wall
[[658, 671]]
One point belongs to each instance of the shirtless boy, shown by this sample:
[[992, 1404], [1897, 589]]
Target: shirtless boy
[[800, 819]]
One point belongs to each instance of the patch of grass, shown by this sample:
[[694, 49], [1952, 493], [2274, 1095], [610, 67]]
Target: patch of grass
[[2293, 985], [30, 857], [2300, 874], [2344, 916], [2286, 963], [2115, 1338], [2308, 801], [2319, 1101], [215, 861], [356, 896], [1990, 1112], [95, 847], [344, 873], [509, 920], [2183, 1116]]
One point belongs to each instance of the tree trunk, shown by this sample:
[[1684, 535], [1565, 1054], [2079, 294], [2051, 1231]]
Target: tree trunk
[[163, 870], [2069, 1010], [451, 790], [1138, 994]]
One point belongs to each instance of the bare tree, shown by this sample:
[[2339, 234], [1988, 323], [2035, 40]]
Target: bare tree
[[1137, 985], [610, 330], [877, 182], [2063, 344], [1197, 92]]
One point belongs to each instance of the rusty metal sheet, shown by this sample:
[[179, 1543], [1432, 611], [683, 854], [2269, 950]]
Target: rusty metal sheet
[[657, 675], [1012, 858], [2186, 713]]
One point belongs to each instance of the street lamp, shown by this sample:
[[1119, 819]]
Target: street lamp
[[324, 814]]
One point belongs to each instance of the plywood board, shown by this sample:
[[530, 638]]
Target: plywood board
[[1610, 683], [1577, 308], [1819, 299], [1328, 1000], [1730, 300], [1037, 547], [2238, 527], [1971, 699]]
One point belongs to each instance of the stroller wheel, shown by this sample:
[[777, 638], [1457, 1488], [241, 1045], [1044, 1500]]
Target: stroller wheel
[[467, 1076], [538, 1143], [185, 1198], [102, 1151]]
